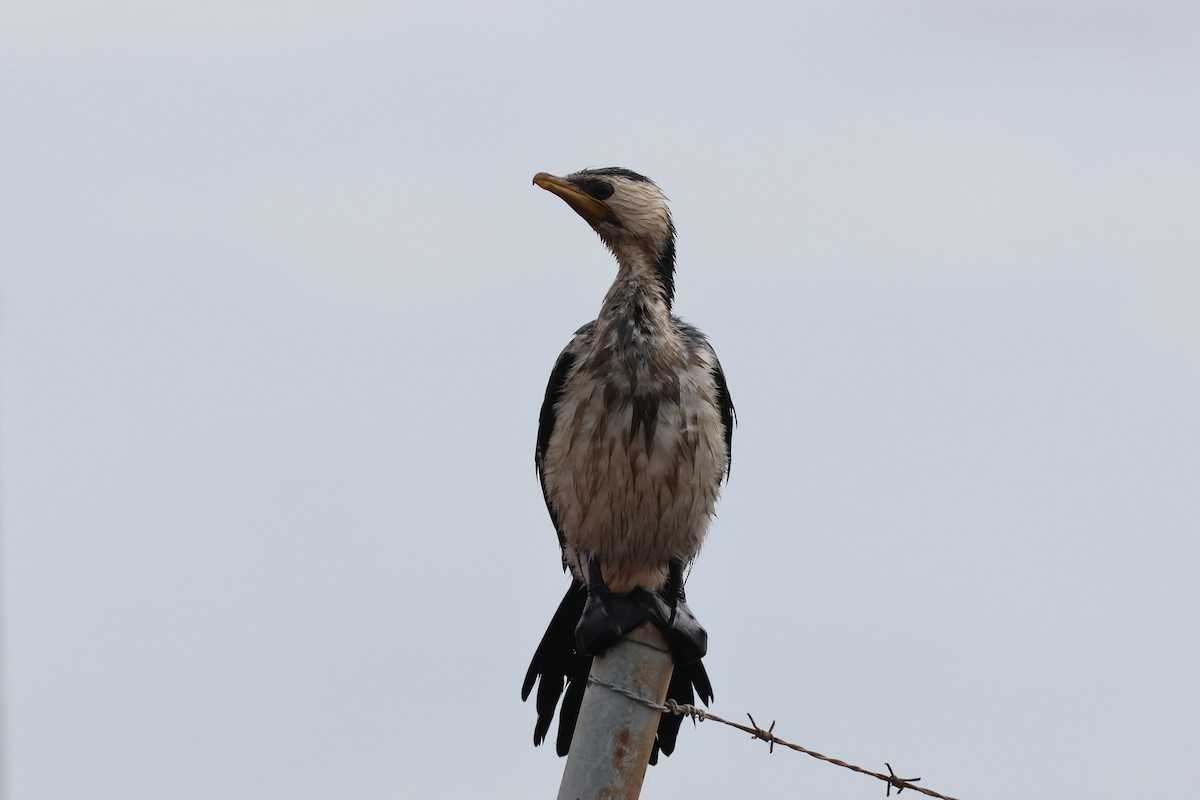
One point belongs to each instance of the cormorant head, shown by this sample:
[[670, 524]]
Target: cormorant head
[[628, 211]]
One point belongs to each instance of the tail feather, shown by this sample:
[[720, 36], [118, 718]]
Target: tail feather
[[558, 666], [555, 660], [572, 700]]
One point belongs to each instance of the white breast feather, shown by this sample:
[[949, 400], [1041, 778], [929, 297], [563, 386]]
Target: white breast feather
[[637, 508]]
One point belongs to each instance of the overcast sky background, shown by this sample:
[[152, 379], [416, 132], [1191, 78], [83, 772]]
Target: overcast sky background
[[279, 305]]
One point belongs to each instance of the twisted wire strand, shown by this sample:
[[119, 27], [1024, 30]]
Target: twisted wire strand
[[768, 736]]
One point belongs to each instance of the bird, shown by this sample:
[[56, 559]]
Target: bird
[[634, 442]]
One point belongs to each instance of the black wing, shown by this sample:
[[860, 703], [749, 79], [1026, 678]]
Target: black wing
[[554, 392], [728, 415], [722, 401]]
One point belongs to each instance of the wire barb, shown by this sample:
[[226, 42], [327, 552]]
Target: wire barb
[[899, 783], [767, 736], [696, 714]]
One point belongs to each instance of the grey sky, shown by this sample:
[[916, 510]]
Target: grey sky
[[278, 309]]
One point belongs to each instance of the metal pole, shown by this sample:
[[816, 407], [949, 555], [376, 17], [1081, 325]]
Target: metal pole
[[614, 734]]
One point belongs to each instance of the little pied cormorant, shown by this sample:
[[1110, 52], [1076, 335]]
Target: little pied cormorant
[[633, 443]]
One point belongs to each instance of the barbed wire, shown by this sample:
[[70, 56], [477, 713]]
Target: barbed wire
[[768, 736]]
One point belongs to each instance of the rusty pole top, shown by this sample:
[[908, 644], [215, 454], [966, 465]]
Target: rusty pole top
[[615, 733]]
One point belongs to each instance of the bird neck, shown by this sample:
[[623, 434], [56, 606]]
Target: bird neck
[[643, 272], [636, 341], [637, 296]]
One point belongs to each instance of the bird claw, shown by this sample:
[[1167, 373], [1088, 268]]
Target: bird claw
[[609, 616], [685, 635]]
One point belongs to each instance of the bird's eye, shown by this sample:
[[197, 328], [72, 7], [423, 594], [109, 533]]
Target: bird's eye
[[601, 190]]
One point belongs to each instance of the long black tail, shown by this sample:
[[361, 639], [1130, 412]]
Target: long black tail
[[556, 663]]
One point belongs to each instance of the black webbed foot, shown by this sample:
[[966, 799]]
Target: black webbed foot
[[608, 616], [687, 638]]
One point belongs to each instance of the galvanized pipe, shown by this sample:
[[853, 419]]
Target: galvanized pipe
[[614, 733]]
